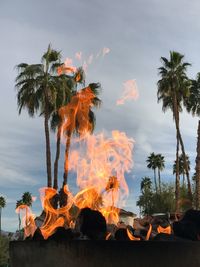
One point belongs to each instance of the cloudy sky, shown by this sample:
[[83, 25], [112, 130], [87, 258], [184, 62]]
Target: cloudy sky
[[138, 33]]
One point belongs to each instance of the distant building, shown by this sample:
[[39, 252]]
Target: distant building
[[127, 217]]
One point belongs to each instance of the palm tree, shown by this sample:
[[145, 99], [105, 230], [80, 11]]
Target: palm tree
[[38, 86], [160, 164], [193, 105], [151, 164], [27, 199], [78, 117], [173, 88], [145, 200], [145, 184], [2, 205]]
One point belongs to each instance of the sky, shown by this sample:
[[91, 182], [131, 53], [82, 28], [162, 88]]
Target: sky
[[137, 33]]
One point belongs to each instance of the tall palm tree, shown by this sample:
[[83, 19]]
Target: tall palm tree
[[193, 105], [38, 86], [151, 164], [173, 88], [2, 205], [78, 117], [160, 164]]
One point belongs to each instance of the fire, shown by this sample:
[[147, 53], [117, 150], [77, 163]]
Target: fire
[[28, 220], [99, 161], [165, 230], [55, 217], [100, 165], [131, 236], [149, 232], [108, 236], [130, 92], [77, 110], [67, 67]]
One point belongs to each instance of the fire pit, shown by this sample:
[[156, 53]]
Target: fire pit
[[87, 253]]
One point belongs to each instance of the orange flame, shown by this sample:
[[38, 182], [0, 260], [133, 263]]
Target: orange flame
[[108, 236], [165, 230], [100, 164], [132, 237], [78, 111], [149, 232], [130, 92], [28, 220], [67, 67], [54, 217]]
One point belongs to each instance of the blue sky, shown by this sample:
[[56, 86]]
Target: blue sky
[[138, 33]]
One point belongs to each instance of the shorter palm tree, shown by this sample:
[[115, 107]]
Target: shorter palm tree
[[145, 184], [151, 164], [2, 205], [27, 199], [160, 164]]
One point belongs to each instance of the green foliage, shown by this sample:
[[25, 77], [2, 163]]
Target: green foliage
[[156, 161], [27, 199], [174, 85], [2, 202], [145, 199], [4, 251], [192, 103], [151, 202], [181, 164]]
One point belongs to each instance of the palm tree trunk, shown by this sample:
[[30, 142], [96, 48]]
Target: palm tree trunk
[[198, 170], [185, 166], [159, 181], [19, 221], [66, 163], [48, 150], [183, 178], [0, 220], [55, 182], [155, 181], [177, 182]]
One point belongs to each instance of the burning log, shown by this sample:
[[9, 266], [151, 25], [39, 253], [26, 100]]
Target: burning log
[[189, 226], [37, 235], [121, 234], [92, 224]]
